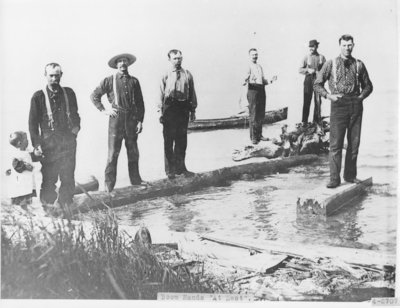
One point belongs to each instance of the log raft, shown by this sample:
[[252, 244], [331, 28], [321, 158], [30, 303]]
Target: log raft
[[182, 185], [323, 202], [236, 121]]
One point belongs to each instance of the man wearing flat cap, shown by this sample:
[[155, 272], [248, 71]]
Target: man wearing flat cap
[[126, 112], [310, 65]]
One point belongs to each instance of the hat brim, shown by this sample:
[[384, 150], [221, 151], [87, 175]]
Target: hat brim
[[113, 61]]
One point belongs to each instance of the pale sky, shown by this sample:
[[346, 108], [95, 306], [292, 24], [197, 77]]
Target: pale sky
[[214, 36]]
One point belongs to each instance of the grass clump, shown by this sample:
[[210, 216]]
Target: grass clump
[[70, 263]]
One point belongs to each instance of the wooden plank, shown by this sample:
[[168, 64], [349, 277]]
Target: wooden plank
[[357, 257], [182, 185], [324, 201], [236, 121]]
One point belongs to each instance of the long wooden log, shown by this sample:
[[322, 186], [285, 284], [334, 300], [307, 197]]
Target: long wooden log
[[236, 121], [182, 185], [355, 257], [324, 201]]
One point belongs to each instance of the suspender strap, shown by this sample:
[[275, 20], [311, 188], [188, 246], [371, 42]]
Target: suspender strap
[[48, 108], [66, 103], [358, 65], [115, 89], [334, 75]]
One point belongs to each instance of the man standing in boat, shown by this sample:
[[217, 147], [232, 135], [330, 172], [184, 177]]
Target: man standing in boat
[[54, 124], [256, 83], [310, 65], [126, 113], [177, 105], [349, 85]]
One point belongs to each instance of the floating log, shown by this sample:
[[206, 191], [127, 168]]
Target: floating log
[[91, 184], [237, 121], [355, 257], [182, 185], [323, 201]]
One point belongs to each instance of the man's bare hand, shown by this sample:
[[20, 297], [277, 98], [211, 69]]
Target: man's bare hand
[[110, 112], [311, 70], [192, 116], [38, 151], [334, 97], [139, 128]]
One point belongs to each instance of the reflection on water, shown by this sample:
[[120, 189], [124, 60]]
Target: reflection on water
[[265, 209]]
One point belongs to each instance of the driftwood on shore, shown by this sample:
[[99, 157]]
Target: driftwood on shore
[[310, 139], [355, 257], [240, 121], [181, 184]]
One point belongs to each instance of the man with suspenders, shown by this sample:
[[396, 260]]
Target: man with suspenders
[[54, 123], [349, 85], [310, 65], [125, 114]]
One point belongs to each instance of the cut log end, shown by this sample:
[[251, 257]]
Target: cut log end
[[323, 201]]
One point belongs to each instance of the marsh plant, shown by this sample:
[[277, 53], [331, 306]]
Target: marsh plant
[[66, 261]]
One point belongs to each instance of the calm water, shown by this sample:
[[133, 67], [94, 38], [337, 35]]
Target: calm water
[[265, 209]]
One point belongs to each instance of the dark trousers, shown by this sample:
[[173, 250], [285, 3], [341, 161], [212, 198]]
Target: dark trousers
[[308, 94], [346, 116], [256, 97], [63, 168], [122, 128], [175, 124]]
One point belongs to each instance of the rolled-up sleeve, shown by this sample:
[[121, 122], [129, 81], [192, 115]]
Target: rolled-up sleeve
[[96, 95], [322, 76], [366, 84], [161, 94], [192, 94], [34, 121]]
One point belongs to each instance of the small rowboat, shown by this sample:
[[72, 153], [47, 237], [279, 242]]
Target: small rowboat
[[236, 121]]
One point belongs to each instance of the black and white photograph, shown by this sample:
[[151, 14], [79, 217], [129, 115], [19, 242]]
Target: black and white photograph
[[186, 152]]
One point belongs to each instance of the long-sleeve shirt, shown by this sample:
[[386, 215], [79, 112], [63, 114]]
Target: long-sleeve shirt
[[39, 124], [129, 93], [346, 82], [178, 84], [314, 61], [255, 74]]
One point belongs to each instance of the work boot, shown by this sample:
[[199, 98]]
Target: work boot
[[333, 184], [355, 181], [188, 173], [264, 138]]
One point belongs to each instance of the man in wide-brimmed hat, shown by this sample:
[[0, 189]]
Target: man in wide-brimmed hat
[[126, 112], [310, 65]]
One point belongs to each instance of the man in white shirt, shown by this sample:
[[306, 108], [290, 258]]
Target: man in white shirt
[[256, 82], [176, 106]]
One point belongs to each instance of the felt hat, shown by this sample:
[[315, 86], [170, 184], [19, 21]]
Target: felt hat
[[113, 61], [313, 43]]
